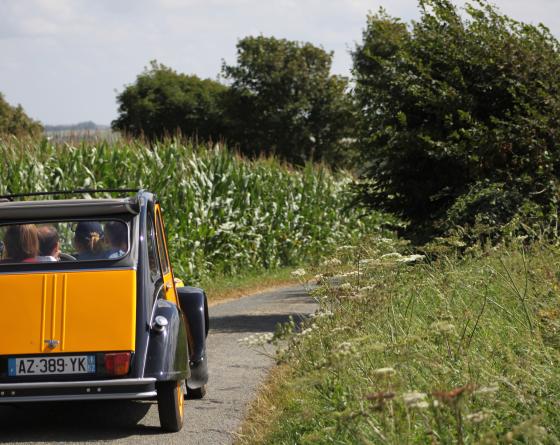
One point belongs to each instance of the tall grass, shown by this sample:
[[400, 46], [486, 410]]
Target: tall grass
[[223, 214], [463, 350]]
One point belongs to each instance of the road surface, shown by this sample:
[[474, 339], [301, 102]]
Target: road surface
[[235, 373]]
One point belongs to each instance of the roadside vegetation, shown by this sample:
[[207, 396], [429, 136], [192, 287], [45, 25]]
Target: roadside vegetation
[[225, 215], [451, 338], [461, 349]]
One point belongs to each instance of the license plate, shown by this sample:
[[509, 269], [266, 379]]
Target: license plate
[[70, 364]]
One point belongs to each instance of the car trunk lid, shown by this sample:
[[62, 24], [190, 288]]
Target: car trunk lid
[[66, 312]]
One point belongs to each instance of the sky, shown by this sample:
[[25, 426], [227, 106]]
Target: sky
[[65, 61]]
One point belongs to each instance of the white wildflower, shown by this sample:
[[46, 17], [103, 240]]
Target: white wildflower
[[321, 314], [487, 389], [308, 330], [410, 259], [318, 278], [345, 287], [345, 248], [298, 273], [344, 348], [410, 398], [478, 417], [341, 329], [267, 337], [391, 256], [364, 291], [332, 262], [384, 372], [257, 340]]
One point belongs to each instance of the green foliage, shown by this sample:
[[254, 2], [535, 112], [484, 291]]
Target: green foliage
[[452, 105], [163, 102], [284, 101], [13, 120], [463, 350], [224, 214]]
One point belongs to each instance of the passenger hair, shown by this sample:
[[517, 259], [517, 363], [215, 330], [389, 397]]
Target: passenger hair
[[94, 242], [48, 239], [22, 242], [116, 233], [89, 236]]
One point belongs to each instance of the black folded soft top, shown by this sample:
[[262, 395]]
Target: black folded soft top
[[67, 208]]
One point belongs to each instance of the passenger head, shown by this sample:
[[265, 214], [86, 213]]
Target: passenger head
[[88, 237], [117, 235], [49, 241], [21, 242]]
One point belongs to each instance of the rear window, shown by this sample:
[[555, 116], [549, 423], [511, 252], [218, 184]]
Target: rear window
[[63, 241]]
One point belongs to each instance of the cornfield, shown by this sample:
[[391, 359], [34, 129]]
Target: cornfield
[[224, 214]]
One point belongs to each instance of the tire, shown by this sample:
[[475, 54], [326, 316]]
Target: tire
[[196, 393], [171, 405]]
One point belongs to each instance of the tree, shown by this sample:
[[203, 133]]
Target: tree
[[162, 102], [13, 120], [284, 101], [461, 116]]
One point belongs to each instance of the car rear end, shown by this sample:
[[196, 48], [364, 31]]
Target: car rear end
[[69, 326]]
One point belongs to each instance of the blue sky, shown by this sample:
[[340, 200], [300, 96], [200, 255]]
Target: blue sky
[[64, 60]]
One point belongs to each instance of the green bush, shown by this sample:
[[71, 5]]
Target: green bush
[[13, 120], [162, 102], [284, 101], [453, 104]]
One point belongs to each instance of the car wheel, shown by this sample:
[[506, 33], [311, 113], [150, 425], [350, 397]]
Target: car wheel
[[171, 405], [196, 393]]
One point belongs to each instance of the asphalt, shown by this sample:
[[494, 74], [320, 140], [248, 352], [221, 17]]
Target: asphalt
[[236, 371]]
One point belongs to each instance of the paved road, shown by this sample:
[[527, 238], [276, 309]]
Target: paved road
[[235, 371]]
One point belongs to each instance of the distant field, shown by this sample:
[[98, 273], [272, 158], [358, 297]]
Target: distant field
[[78, 136]]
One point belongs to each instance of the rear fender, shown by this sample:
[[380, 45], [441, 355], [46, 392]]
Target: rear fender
[[168, 354], [194, 305]]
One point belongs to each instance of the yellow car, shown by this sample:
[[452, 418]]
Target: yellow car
[[90, 307]]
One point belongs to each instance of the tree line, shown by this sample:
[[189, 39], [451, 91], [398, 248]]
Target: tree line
[[450, 122], [278, 99]]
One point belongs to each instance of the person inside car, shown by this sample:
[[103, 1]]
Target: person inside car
[[21, 244], [116, 234], [88, 241], [49, 244]]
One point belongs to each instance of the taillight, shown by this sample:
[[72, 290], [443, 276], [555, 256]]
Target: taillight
[[117, 363]]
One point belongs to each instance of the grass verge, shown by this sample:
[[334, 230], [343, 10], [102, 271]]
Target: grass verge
[[464, 349], [223, 288]]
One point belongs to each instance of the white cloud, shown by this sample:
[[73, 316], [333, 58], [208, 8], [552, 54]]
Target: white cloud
[[62, 59]]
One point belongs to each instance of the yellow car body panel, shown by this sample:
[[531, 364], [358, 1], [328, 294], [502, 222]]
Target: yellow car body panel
[[65, 312]]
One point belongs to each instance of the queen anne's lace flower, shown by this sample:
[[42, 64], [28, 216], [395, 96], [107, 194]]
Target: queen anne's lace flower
[[385, 372]]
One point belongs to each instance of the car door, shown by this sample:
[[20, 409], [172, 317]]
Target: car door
[[167, 273]]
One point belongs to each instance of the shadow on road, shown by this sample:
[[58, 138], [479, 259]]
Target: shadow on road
[[73, 421], [250, 323]]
